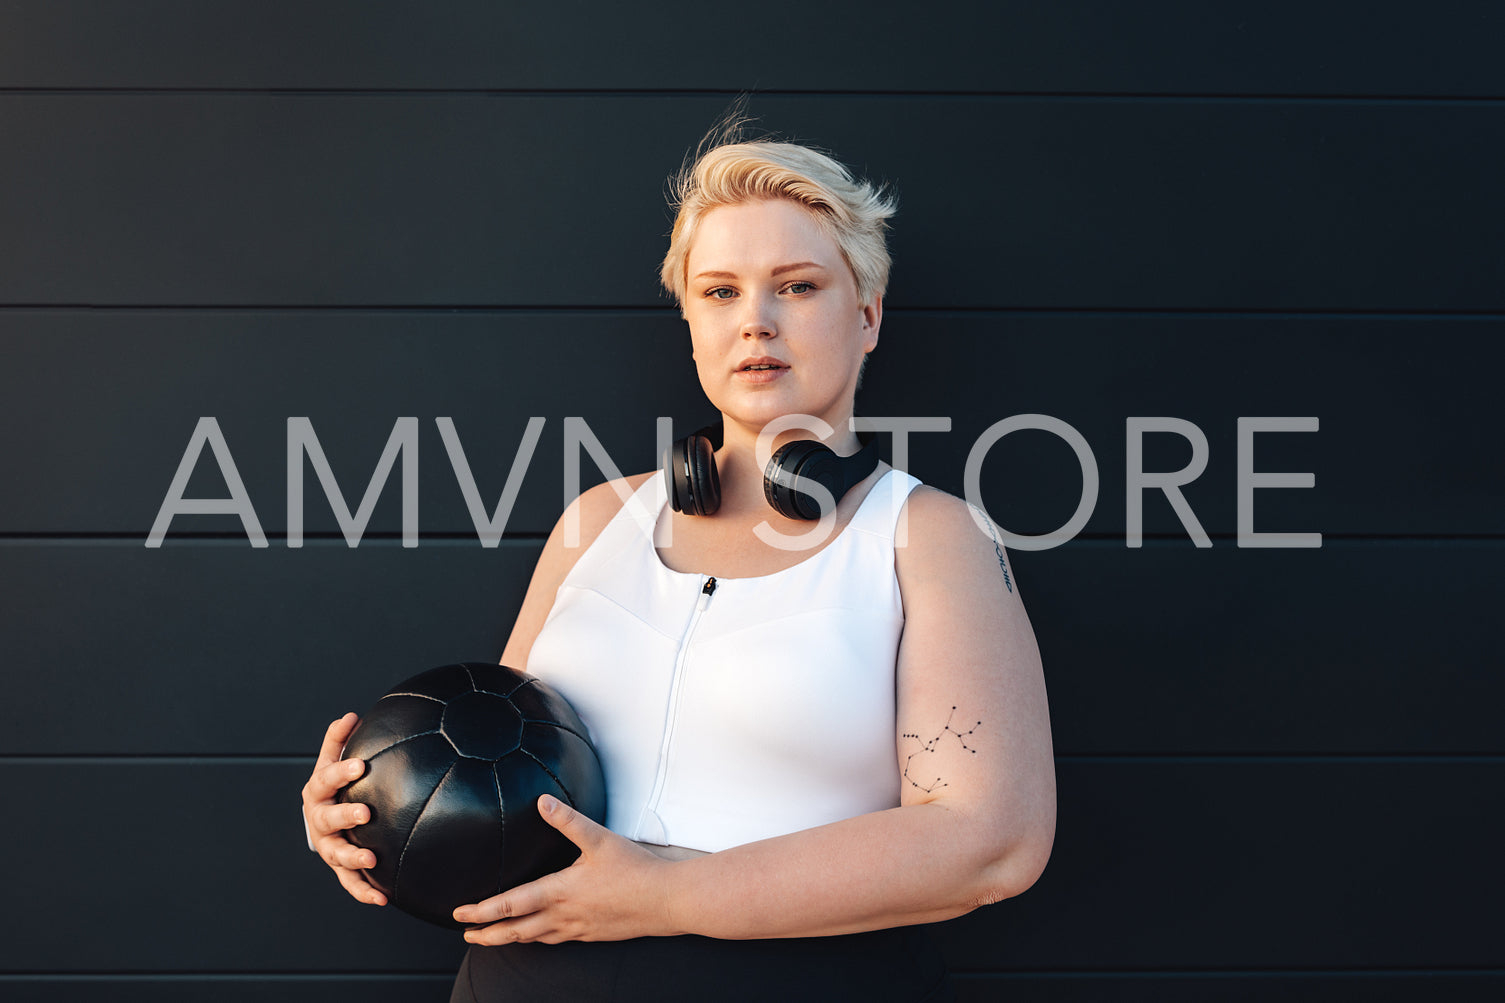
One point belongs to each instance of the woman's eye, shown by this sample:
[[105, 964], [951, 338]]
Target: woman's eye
[[799, 288], [718, 292]]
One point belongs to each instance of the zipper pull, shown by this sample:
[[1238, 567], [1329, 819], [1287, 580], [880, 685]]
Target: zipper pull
[[706, 592]]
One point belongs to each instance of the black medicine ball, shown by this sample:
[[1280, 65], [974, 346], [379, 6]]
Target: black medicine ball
[[456, 759]]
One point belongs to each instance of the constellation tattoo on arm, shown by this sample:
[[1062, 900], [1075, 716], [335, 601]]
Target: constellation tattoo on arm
[[987, 524], [930, 746]]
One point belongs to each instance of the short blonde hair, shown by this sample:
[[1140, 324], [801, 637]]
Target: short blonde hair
[[854, 213]]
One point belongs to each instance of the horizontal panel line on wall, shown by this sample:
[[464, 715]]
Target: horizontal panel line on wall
[[187, 759], [1181, 313], [389, 538], [321, 538], [1368, 758], [1222, 973], [1106, 97], [237, 976], [566, 309], [1024, 973]]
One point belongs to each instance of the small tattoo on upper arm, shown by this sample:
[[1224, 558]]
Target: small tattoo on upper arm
[[930, 746], [987, 524]]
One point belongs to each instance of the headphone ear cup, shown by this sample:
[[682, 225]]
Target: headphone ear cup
[[806, 458], [676, 480], [690, 476], [702, 491]]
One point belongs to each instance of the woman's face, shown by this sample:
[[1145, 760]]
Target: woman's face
[[774, 317]]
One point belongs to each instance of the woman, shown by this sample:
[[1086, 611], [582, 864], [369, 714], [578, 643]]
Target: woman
[[815, 735]]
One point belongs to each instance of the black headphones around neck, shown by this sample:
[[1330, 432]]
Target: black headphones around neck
[[694, 486]]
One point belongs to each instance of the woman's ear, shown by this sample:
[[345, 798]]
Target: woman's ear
[[872, 319]]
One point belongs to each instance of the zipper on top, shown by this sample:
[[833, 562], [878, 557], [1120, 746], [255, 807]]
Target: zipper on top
[[707, 589]]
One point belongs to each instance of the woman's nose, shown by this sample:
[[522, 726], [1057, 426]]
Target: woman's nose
[[759, 321]]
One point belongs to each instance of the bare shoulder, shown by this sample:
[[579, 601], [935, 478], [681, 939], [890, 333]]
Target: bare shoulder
[[597, 506], [582, 522], [943, 538], [937, 512]]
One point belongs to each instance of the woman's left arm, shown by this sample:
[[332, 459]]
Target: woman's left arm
[[977, 789]]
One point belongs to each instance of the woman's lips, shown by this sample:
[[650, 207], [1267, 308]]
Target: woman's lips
[[760, 370]]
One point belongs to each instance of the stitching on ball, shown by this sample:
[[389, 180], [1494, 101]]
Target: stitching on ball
[[402, 741], [559, 783], [397, 871]]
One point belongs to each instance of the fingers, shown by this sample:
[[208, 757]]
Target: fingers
[[330, 774], [535, 896], [359, 888], [335, 737], [514, 932], [544, 926], [523, 900], [326, 824], [339, 852], [328, 778], [335, 848], [577, 828], [325, 819]]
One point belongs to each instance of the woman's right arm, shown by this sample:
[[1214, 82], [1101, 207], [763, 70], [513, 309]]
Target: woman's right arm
[[327, 820]]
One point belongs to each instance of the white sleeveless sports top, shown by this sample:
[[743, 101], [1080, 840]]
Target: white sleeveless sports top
[[729, 710]]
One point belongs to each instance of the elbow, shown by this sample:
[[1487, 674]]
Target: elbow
[[1014, 876], [1005, 849], [1013, 869]]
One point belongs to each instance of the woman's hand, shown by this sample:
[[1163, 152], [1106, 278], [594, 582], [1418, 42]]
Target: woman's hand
[[326, 820], [614, 891]]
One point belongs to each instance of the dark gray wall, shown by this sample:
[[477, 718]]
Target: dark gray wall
[[1280, 769]]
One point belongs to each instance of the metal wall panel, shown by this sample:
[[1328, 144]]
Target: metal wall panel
[[1276, 765]]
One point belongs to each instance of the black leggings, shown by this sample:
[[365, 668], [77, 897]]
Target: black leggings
[[885, 966]]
